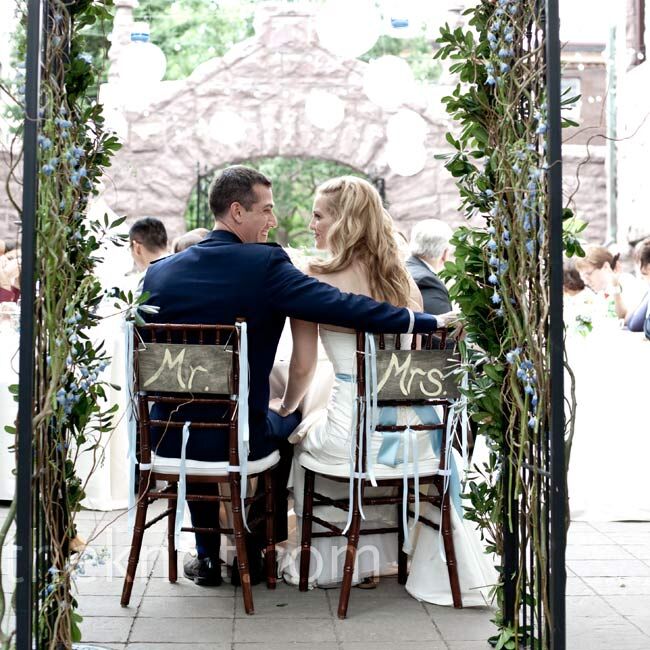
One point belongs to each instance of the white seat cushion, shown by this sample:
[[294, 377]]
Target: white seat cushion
[[427, 467], [202, 468]]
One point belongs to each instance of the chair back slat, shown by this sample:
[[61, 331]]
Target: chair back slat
[[185, 368], [410, 375]]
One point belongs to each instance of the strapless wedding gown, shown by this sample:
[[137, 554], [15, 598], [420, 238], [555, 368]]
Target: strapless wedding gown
[[325, 434]]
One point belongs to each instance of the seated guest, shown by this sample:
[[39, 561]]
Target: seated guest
[[148, 242], [571, 280], [430, 249], [637, 317], [189, 239], [220, 279], [9, 277], [601, 272]]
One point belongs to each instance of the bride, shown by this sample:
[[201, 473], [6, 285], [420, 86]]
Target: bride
[[350, 222]]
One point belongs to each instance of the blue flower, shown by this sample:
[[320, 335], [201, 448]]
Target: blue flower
[[530, 246], [503, 267], [535, 400], [490, 81], [85, 57], [513, 9], [494, 261], [504, 67], [47, 170], [528, 388], [516, 168], [496, 298], [532, 423], [489, 193], [526, 224], [491, 37], [493, 279], [504, 53], [492, 245], [508, 38], [500, 312], [541, 129], [492, 230], [512, 356], [62, 123], [44, 143]]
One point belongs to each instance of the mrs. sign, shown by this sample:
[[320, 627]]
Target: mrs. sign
[[416, 374]]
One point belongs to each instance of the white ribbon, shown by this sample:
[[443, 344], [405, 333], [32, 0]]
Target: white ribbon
[[131, 420], [182, 485], [464, 421], [243, 432], [409, 439], [372, 410]]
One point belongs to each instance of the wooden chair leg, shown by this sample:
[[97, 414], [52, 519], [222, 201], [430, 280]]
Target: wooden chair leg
[[271, 568], [240, 544], [172, 555], [136, 542], [402, 558], [305, 544], [450, 552], [351, 553]]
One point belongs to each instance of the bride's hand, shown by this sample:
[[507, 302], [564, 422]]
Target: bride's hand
[[448, 319], [277, 405]]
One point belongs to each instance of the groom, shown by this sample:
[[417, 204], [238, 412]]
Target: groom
[[234, 273]]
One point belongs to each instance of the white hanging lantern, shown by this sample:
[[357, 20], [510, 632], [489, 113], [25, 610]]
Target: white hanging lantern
[[388, 82], [348, 29], [406, 126], [324, 110], [141, 68], [227, 128], [406, 158]]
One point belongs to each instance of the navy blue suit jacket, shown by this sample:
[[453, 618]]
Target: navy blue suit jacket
[[221, 279]]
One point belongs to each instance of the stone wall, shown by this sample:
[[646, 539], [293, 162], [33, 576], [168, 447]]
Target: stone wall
[[266, 80]]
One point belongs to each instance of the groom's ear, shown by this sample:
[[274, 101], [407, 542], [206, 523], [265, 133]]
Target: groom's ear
[[235, 211]]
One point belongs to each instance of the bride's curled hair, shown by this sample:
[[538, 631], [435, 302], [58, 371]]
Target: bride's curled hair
[[364, 232]]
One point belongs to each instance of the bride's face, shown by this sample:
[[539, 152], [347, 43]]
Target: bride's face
[[321, 221]]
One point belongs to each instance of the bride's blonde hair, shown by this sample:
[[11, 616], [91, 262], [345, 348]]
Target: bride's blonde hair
[[363, 231]]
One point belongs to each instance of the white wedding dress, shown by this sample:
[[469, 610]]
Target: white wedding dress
[[325, 435]]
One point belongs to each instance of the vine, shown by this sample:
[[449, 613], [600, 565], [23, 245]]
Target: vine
[[70, 414], [500, 280]]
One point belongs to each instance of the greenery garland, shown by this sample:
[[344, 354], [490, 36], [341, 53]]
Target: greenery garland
[[500, 280], [70, 413]]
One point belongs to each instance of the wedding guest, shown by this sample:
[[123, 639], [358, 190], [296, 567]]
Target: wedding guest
[[219, 280], [637, 317], [9, 277], [148, 242], [601, 271], [189, 239], [430, 249], [571, 280]]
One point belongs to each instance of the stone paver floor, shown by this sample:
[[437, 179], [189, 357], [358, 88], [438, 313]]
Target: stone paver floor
[[608, 602]]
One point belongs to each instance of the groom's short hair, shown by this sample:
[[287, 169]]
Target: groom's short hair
[[235, 184]]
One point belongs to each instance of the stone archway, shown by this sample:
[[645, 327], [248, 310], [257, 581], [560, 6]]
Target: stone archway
[[266, 80]]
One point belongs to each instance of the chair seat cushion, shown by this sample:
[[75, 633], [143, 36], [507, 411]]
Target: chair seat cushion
[[166, 465], [427, 467]]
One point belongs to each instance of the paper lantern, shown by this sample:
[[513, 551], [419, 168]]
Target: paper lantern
[[348, 29], [406, 158], [324, 110], [388, 82], [406, 126], [227, 128], [141, 62]]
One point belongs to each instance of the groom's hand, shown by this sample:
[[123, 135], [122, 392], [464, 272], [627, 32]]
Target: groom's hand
[[448, 319]]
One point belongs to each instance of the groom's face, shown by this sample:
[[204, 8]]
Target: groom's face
[[256, 222]]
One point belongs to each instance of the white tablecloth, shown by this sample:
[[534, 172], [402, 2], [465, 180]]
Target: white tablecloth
[[611, 447], [107, 488], [8, 408]]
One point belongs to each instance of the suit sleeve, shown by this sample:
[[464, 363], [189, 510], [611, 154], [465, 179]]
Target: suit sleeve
[[295, 294]]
